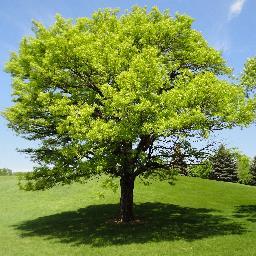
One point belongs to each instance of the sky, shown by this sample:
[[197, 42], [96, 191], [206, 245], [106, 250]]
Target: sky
[[227, 25]]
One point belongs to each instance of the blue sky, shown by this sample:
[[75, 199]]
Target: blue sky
[[228, 25]]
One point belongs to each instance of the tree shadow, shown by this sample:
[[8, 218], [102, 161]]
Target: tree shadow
[[247, 212], [160, 222]]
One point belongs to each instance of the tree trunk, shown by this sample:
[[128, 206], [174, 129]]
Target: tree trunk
[[126, 199]]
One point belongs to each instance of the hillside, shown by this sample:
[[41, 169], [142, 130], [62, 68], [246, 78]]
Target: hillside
[[193, 217]]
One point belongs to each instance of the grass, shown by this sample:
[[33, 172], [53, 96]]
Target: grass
[[193, 217]]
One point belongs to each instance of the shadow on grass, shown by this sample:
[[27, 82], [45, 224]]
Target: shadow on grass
[[160, 222], [246, 211]]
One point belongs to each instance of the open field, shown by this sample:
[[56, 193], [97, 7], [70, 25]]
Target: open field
[[194, 217]]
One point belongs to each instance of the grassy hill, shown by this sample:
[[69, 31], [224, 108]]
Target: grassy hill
[[193, 217]]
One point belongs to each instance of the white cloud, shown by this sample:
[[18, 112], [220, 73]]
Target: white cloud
[[236, 8], [222, 45]]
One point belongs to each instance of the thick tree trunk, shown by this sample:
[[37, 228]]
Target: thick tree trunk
[[126, 199]]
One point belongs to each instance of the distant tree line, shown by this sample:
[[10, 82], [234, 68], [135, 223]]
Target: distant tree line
[[5, 172], [228, 165]]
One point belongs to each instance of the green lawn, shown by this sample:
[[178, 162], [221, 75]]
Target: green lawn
[[194, 217]]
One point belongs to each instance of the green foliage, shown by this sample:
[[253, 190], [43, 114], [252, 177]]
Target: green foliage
[[249, 75], [103, 94], [110, 183], [243, 168], [202, 170], [5, 172], [253, 172], [224, 165]]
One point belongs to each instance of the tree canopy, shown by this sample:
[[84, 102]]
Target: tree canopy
[[249, 75], [110, 94]]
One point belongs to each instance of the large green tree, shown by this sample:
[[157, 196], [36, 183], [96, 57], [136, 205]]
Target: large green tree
[[108, 94]]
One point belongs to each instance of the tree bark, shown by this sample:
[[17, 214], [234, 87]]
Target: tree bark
[[126, 199]]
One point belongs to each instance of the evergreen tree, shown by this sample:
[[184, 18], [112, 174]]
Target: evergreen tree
[[224, 165]]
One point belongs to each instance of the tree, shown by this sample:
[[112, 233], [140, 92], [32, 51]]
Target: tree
[[243, 167], [202, 170], [253, 172], [248, 78], [5, 172], [224, 165], [108, 94]]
